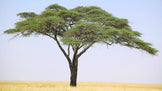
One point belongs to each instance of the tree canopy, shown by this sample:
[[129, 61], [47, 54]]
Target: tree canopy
[[80, 26]]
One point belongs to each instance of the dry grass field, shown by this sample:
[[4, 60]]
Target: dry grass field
[[82, 86]]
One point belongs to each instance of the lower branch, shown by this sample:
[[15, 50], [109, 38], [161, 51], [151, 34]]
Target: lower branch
[[85, 49], [65, 54]]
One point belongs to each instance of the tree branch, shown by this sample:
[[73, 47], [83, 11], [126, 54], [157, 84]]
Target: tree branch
[[58, 43], [68, 50], [85, 49], [81, 46], [65, 54], [46, 35], [108, 43]]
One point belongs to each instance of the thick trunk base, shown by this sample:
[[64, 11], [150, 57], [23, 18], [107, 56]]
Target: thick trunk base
[[73, 83], [73, 78]]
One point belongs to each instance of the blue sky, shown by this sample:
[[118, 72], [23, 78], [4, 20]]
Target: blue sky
[[39, 58]]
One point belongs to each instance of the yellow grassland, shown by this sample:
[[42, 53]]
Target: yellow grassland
[[82, 86]]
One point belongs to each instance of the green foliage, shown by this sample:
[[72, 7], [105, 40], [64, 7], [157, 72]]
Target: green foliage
[[97, 15], [26, 14], [116, 22], [49, 13], [71, 41], [144, 46], [85, 32], [82, 9], [55, 7], [10, 31], [81, 26], [39, 25], [70, 16]]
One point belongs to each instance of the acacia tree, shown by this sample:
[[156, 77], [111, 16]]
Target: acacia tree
[[79, 29]]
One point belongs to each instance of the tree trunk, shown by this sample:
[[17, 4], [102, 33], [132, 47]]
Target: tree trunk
[[74, 69], [73, 78]]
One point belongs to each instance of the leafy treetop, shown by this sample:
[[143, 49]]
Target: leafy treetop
[[80, 27]]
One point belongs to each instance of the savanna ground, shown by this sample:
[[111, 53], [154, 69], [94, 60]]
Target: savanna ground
[[82, 86]]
